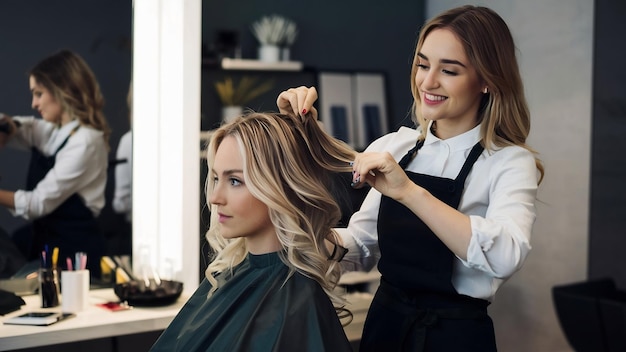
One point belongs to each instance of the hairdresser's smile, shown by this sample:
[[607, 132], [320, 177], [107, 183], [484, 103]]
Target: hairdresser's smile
[[432, 99]]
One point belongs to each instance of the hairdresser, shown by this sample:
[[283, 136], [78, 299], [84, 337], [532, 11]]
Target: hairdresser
[[64, 192]]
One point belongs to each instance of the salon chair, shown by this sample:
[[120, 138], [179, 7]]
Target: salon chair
[[592, 315]]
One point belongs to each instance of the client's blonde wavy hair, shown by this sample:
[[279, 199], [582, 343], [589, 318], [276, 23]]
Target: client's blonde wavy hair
[[289, 165]]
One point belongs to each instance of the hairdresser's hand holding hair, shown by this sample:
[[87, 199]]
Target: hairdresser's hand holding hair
[[8, 127], [453, 204], [381, 171], [298, 102]]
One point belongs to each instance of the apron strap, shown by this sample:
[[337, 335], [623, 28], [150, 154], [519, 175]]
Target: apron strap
[[66, 139], [469, 162], [406, 159]]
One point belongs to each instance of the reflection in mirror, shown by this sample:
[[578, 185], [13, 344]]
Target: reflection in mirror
[[100, 32]]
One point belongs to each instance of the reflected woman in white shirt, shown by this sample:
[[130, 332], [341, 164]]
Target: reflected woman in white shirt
[[452, 205], [122, 195], [68, 170]]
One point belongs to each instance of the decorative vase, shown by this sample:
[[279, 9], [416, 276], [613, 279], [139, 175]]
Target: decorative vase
[[285, 53], [269, 53], [230, 112]]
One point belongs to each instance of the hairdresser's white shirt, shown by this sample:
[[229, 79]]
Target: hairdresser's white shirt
[[499, 197], [122, 199], [80, 167]]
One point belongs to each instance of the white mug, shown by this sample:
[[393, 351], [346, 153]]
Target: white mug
[[74, 290]]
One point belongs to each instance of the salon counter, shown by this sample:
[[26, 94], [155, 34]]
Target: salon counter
[[93, 323], [98, 323]]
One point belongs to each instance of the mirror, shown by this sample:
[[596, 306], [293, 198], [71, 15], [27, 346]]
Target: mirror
[[100, 31], [97, 29]]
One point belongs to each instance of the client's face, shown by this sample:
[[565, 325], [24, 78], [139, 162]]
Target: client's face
[[240, 213]]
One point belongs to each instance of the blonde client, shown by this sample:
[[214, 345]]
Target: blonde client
[[270, 285]]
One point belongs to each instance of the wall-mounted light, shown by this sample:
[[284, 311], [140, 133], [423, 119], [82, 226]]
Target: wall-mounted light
[[166, 133]]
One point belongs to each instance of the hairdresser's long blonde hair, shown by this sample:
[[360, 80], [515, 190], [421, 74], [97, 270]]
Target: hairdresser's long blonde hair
[[489, 46]]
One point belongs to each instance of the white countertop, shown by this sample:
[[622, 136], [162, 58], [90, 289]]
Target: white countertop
[[96, 322], [93, 323]]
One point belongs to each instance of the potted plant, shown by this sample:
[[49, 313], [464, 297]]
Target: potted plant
[[275, 34], [235, 96]]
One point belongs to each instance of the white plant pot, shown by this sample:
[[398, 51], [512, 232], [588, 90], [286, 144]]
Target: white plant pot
[[229, 113], [269, 53]]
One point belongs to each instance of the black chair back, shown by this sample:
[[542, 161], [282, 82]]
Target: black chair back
[[592, 315]]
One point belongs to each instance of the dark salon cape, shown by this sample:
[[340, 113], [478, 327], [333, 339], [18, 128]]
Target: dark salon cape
[[256, 310]]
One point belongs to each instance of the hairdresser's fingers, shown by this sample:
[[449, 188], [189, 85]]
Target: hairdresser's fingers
[[307, 101], [381, 171], [288, 101], [283, 104], [298, 102]]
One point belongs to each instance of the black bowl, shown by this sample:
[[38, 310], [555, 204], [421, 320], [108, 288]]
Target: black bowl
[[136, 293]]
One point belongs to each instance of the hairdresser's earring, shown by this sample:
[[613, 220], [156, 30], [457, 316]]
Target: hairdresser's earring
[[485, 90]]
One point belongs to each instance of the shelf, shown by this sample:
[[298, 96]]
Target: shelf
[[205, 136], [247, 64]]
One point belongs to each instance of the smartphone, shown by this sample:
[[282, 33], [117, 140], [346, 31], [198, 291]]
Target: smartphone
[[38, 318]]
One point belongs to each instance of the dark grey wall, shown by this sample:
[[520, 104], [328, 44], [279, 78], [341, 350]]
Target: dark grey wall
[[607, 223], [348, 35], [334, 35], [99, 30]]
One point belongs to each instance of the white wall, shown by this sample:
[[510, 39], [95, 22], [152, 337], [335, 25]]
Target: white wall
[[555, 42]]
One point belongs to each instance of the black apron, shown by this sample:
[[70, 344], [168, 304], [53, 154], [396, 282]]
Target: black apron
[[416, 307], [71, 226]]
